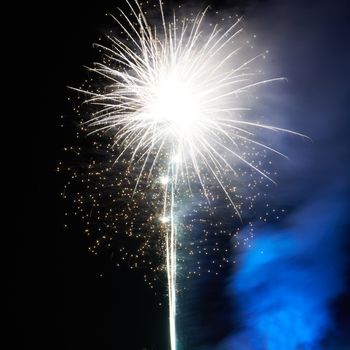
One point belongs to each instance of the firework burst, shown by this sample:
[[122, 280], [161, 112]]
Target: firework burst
[[173, 103]]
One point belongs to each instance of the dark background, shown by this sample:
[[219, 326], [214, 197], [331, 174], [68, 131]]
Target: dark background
[[59, 300], [62, 297]]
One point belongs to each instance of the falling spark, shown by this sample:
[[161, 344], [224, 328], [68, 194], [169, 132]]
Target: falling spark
[[173, 102]]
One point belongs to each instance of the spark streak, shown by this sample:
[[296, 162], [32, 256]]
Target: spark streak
[[174, 100]]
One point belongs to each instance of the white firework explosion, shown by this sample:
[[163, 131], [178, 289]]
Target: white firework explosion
[[174, 96]]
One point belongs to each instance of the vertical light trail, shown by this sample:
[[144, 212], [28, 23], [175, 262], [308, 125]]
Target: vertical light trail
[[172, 267], [169, 216]]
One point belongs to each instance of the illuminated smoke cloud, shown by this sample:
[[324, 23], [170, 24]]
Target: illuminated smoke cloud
[[286, 282]]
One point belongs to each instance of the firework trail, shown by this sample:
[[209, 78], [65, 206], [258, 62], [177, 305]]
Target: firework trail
[[173, 105]]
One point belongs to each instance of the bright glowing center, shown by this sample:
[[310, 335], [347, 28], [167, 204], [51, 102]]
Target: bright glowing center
[[175, 105], [164, 180]]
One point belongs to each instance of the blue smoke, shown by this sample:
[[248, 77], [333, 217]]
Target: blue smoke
[[289, 289], [287, 280]]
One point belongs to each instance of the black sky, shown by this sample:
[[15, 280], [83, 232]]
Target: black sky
[[58, 298]]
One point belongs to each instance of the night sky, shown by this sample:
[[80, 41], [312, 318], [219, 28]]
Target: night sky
[[63, 297]]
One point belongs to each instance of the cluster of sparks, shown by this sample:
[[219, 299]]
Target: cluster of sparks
[[172, 108]]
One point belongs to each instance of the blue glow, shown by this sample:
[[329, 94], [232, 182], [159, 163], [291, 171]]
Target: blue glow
[[287, 280]]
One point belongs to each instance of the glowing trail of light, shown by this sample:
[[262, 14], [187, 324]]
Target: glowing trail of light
[[171, 238], [171, 242], [174, 100]]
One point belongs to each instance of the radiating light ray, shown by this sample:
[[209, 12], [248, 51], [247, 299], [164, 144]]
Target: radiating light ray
[[173, 98]]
